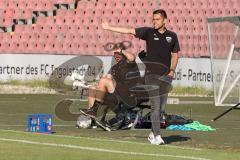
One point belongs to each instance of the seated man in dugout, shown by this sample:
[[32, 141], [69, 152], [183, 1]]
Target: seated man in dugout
[[115, 84]]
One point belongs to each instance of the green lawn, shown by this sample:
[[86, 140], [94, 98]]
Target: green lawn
[[224, 143]]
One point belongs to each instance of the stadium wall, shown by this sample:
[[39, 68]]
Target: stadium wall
[[191, 72]]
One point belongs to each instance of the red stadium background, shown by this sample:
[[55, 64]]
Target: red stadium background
[[73, 27]]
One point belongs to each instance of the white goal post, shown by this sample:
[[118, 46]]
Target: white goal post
[[224, 48]]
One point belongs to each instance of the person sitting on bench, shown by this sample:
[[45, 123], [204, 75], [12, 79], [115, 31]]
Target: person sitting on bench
[[112, 84]]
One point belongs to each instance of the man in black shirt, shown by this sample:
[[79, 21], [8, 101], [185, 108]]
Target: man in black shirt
[[113, 86], [162, 48], [125, 63]]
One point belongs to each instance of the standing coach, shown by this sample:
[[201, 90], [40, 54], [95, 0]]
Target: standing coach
[[162, 48]]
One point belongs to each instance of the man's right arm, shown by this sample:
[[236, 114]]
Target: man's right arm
[[123, 30]]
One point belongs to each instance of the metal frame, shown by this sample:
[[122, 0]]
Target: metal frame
[[220, 97]]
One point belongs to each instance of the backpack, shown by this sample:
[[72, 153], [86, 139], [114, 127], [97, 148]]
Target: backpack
[[167, 120], [176, 120]]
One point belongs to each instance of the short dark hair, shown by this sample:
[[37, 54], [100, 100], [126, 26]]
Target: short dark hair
[[162, 12]]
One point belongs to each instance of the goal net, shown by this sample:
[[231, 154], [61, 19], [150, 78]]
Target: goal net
[[224, 47]]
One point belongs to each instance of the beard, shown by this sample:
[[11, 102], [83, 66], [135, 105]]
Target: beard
[[159, 27]]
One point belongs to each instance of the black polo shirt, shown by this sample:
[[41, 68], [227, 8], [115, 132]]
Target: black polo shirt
[[160, 46], [123, 71], [126, 74]]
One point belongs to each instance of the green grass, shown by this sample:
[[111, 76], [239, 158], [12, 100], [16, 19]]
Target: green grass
[[177, 90], [191, 91], [28, 83], [86, 148], [220, 145]]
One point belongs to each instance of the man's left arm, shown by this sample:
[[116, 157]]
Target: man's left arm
[[174, 63], [175, 56]]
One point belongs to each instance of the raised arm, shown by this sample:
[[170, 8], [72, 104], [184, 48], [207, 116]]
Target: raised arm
[[130, 56], [123, 30]]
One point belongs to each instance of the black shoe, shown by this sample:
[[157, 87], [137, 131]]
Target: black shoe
[[127, 125], [103, 125], [91, 113], [83, 110], [94, 124]]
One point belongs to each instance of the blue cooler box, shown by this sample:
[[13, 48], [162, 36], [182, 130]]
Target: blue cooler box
[[41, 123]]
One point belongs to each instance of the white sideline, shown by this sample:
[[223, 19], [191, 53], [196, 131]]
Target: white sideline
[[107, 140], [21, 125], [99, 149], [130, 142]]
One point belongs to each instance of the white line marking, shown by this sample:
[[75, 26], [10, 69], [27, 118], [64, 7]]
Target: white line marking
[[100, 149], [130, 142], [13, 114], [196, 102], [107, 140], [21, 125], [228, 128]]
